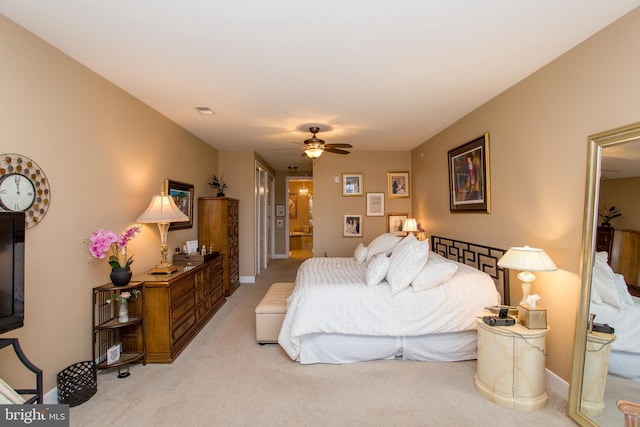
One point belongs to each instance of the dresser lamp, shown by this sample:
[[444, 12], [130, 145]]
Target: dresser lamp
[[526, 260], [410, 225], [162, 211]]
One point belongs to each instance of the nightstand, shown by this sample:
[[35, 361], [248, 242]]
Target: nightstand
[[511, 365], [596, 365]]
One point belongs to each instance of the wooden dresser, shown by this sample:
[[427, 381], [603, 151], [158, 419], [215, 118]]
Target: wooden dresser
[[623, 247], [218, 226], [178, 306]]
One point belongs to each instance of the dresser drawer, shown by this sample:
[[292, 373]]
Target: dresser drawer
[[183, 327], [180, 289], [181, 309]]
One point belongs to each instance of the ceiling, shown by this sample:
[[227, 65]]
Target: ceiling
[[379, 75]]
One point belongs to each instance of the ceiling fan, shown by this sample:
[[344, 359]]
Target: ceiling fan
[[314, 146]]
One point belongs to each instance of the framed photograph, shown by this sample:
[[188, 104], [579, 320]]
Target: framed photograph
[[113, 354], [398, 183], [352, 226], [469, 177], [375, 204], [192, 247], [395, 222], [279, 210], [182, 194], [293, 206], [352, 184]]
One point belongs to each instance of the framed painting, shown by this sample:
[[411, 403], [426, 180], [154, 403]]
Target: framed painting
[[352, 184], [182, 194], [375, 204], [469, 189], [395, 222], [398, 183], [279, 210], [293, 206], [352, 226]]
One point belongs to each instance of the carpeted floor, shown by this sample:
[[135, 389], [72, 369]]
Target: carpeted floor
[[223, 378]]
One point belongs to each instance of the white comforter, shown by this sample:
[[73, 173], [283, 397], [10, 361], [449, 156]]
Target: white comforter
[[331, 297], [625, 321]]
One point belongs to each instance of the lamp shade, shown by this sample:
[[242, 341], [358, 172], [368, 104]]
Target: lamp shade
[[410, 224], [162, 209], [527, 259]]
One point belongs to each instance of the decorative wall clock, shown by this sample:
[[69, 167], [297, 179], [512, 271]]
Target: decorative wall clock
[[23, 188]]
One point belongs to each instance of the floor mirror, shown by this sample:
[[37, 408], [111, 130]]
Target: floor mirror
[[606, 366]]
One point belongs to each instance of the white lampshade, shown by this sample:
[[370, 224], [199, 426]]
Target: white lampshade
[[410, 225], [162, 209], [527, 259]]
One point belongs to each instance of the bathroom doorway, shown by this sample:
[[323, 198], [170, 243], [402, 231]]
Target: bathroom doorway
[[300, 217]]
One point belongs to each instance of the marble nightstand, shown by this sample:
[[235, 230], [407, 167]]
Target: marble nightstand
[[596, 365], [511, 365]]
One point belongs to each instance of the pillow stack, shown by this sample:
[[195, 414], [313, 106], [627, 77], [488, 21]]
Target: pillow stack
[[407, 259], [607, 286]]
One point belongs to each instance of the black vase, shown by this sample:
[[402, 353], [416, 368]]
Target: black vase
[[220, 195], [120, 277]]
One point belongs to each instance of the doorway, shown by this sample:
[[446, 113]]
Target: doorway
[[300, 218]]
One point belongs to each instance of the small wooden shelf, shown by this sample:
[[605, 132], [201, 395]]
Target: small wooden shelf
[[108, 331]]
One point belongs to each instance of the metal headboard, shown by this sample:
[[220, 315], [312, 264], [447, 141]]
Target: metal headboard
[[484, 258]]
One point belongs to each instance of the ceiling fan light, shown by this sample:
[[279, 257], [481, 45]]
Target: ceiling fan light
[[313, 153]]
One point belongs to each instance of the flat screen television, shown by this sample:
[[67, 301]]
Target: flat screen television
[[12, 233]]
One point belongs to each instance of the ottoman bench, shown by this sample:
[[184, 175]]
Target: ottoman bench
[[270, 312]]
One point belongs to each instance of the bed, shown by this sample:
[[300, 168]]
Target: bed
[[612, 304], [338, 314]]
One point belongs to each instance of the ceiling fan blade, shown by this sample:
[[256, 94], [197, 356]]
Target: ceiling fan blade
[[338, 146], [335, 150]]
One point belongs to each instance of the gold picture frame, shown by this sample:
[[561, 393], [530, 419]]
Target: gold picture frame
[[398, 185], [352, 184]]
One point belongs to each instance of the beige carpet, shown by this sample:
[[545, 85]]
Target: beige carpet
[[223, 378]]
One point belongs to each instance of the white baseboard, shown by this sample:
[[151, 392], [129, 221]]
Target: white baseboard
[[557, 385], [247, 279], [280, 256]]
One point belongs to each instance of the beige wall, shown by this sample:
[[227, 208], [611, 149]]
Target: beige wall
[[105, 154], [623, 194], [330, 206], [538, 133]]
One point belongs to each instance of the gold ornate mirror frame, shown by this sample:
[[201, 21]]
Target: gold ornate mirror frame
[[594, 160]]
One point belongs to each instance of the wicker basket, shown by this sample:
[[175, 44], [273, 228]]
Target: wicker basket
[[77, 383]]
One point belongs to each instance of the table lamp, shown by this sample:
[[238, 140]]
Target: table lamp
[[162, 211], [526, 260], [410, 225]]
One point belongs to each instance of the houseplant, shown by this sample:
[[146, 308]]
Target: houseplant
[[218, 184], [608, 214], [103, 241]]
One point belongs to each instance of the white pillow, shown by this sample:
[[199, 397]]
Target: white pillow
[[383, 244], [623, 289], [405, 264], [604, 281], [360, 254], [377, 269], [595, 296], [433, 275]]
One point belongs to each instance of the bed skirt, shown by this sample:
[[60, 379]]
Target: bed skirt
[[339, 348]]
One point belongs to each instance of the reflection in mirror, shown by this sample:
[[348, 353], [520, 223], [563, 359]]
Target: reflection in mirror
[[606, 364]]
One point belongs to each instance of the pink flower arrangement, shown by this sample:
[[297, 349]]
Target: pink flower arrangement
[[124, 296], [102, 241], [419, 227]]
